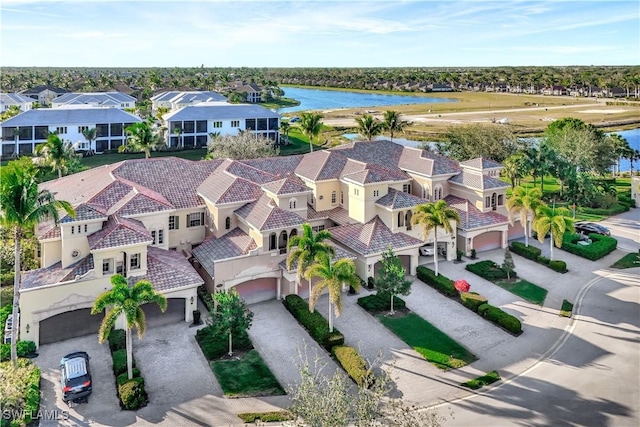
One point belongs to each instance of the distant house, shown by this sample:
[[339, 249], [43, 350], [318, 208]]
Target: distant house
[[95, 99], [174, 100], [7, 100], [615, 92], [191, 126], [439, 87], [253, 91], [23, 132], [44, 94], [554, 90]]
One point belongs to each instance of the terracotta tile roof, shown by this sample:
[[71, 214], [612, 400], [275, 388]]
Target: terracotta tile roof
[[471, 217], [264, 215], [317, 165], [289, 185], [141, 203], [249, 173], [352, 166], [52, 233], [222, 187], [233, 244], [372, 238], [80, 268], [380, 152], [85, 212], [111, 194], [375, 173], [167, 270], [173, 178], [82, 186], [441, 165], [399, 200], [43, 276], [477, 181], [279, 166], [339, 254], [481, 163], [339, 215], [119, 231]]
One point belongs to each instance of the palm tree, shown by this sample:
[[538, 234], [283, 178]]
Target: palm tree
[[524, 201], [303, 250], [431, 216], [126, 300], [22, 205], [140, 137], [284, 129], [369, 127], [56, 153], [310, 124], [90, 135], [393, 123], [332, 277], [178, 132], [555, 220]]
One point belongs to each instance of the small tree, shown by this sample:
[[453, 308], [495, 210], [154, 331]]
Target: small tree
[[392, 280], [508, 265], [244, 145], [231, 316]]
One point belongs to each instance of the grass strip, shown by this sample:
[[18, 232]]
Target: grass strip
[[628, 261], [566, 309], [476, 383], [525, 290], [265, 417], [246, 377], [433, 344]]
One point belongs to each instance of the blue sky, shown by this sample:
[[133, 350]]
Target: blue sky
[[302, 33]]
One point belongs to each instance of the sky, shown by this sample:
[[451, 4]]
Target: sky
[[339, 33]]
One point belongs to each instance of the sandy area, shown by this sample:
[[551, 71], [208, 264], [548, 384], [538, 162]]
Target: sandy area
[[602, 111]]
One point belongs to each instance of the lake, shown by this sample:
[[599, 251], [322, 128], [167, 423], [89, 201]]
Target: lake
[[319, 99]]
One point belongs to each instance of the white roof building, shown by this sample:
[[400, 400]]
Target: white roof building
[[8, 100], [95, 99]]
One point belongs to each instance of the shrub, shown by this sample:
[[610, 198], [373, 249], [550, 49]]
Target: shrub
[[117, 340], [613, 210], [19, 392], [353, 364], [530, 252], [124, 377], [500, 318], [543, 260], [472, 300], [371, 283], [442, 284], [488, 270], [314, 323], [215, 345], [265, 417], [487, 379], [6, 280], [558, 265], [600, 246], [380, 302], [4, 313], [459, 254], [473, 253], [132, 394], [120, 361], [24, 349]]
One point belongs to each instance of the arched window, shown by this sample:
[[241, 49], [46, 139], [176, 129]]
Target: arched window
[[500, 199], [400, 219], [294, 232], [342, 197], [272, 241], [333, 198], [437, 192], [407, 219], [493, 201], [292, 203], [227, 223], [426, 192]]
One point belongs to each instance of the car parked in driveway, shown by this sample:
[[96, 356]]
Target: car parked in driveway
[[591, 228], [75, 377], [426, 250]]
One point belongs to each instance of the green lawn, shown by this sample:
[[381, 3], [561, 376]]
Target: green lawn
[[433, 344], [280, 103], [246, 377], [628, 261], [525, 290], [476, 383], [298, 143]]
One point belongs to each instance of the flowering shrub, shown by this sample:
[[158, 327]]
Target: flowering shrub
[[462, 285]]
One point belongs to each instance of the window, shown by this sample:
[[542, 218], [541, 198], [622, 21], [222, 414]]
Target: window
[[262, 124], [174, 222], [41, 132], [217, 125], [235, 123], [227, 223], [342, 197], [400, 219], [317, 228], [292, 203], [356, 191], [500, 200], [61, 130], [437, 193], [487, 202], [107, 266], [134, 261], [82, 129], [195, 219], [376, 193], [102, 130], [426, 192], [272, 241], [333, 198], [188, 127], [117, 129], [73, 229], [250, 124], [39, 250], [201, 126], [157, 236], [406, 188], [85, 228]]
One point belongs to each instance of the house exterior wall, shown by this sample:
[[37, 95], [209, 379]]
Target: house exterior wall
[[322, 191], [51, 251], [235, 271], [357, 202], [156, 222], [184, 237]]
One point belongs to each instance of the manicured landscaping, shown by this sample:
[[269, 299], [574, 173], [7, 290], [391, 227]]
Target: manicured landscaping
[[215, 346], [433, 344], [628, 261], [353, 364], [314, 323], [534, 254], [19, 392], [566, 309], [376, 303], [265, 417], [479, 382], [245, 377], [23, 348], [131, 392], [492, 272], [599, 247]]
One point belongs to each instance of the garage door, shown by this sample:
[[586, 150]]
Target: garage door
[[404, 259], [487, 241], [257, 290], [68, 325], [173, 314], [516, 231]]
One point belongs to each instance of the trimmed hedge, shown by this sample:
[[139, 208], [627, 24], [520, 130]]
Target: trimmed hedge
[[558, 265], [442, 284], [613, 210], [124, 377], [501, 318], [24, 349], [488, 270], [600, 246], [529, 252], [132, 394], [376, 303], [472, 300], [353, 364], [117, 340], [314, 323], [265, 417], [120, 361], [4, 313]]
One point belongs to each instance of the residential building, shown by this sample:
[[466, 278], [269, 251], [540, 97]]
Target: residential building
[[635, 189], [233, 220], [439, 87], [8, 100], [191, 126], [253, 91], [44, 94], [174, 100], [21, 133], [95, 99]]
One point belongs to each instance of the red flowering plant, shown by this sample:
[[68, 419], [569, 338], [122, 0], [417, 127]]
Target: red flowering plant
[[462, 285]]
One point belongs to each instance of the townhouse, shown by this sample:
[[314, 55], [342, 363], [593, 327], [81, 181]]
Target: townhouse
[[8, 100], [95, 99], [174, 100]]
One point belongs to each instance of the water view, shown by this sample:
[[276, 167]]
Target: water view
[[318, 99]]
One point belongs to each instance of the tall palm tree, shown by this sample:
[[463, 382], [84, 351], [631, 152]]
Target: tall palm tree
[[332, 277], [56, 153], [369, 127], [430, 216], [90, 135], [524, 201], [22, 205], [140, 137], [555, 220], [310, 124], [284, 130], [303, 250], [126, 300], [393, 123]]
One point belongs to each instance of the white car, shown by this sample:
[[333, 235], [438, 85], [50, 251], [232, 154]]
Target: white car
[[426, 251]]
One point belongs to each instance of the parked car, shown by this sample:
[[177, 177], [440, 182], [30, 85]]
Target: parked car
[[294, 119], [75, 378], [590, 227], [426, 250]]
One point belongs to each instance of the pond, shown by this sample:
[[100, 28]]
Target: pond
[[319, 99]]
